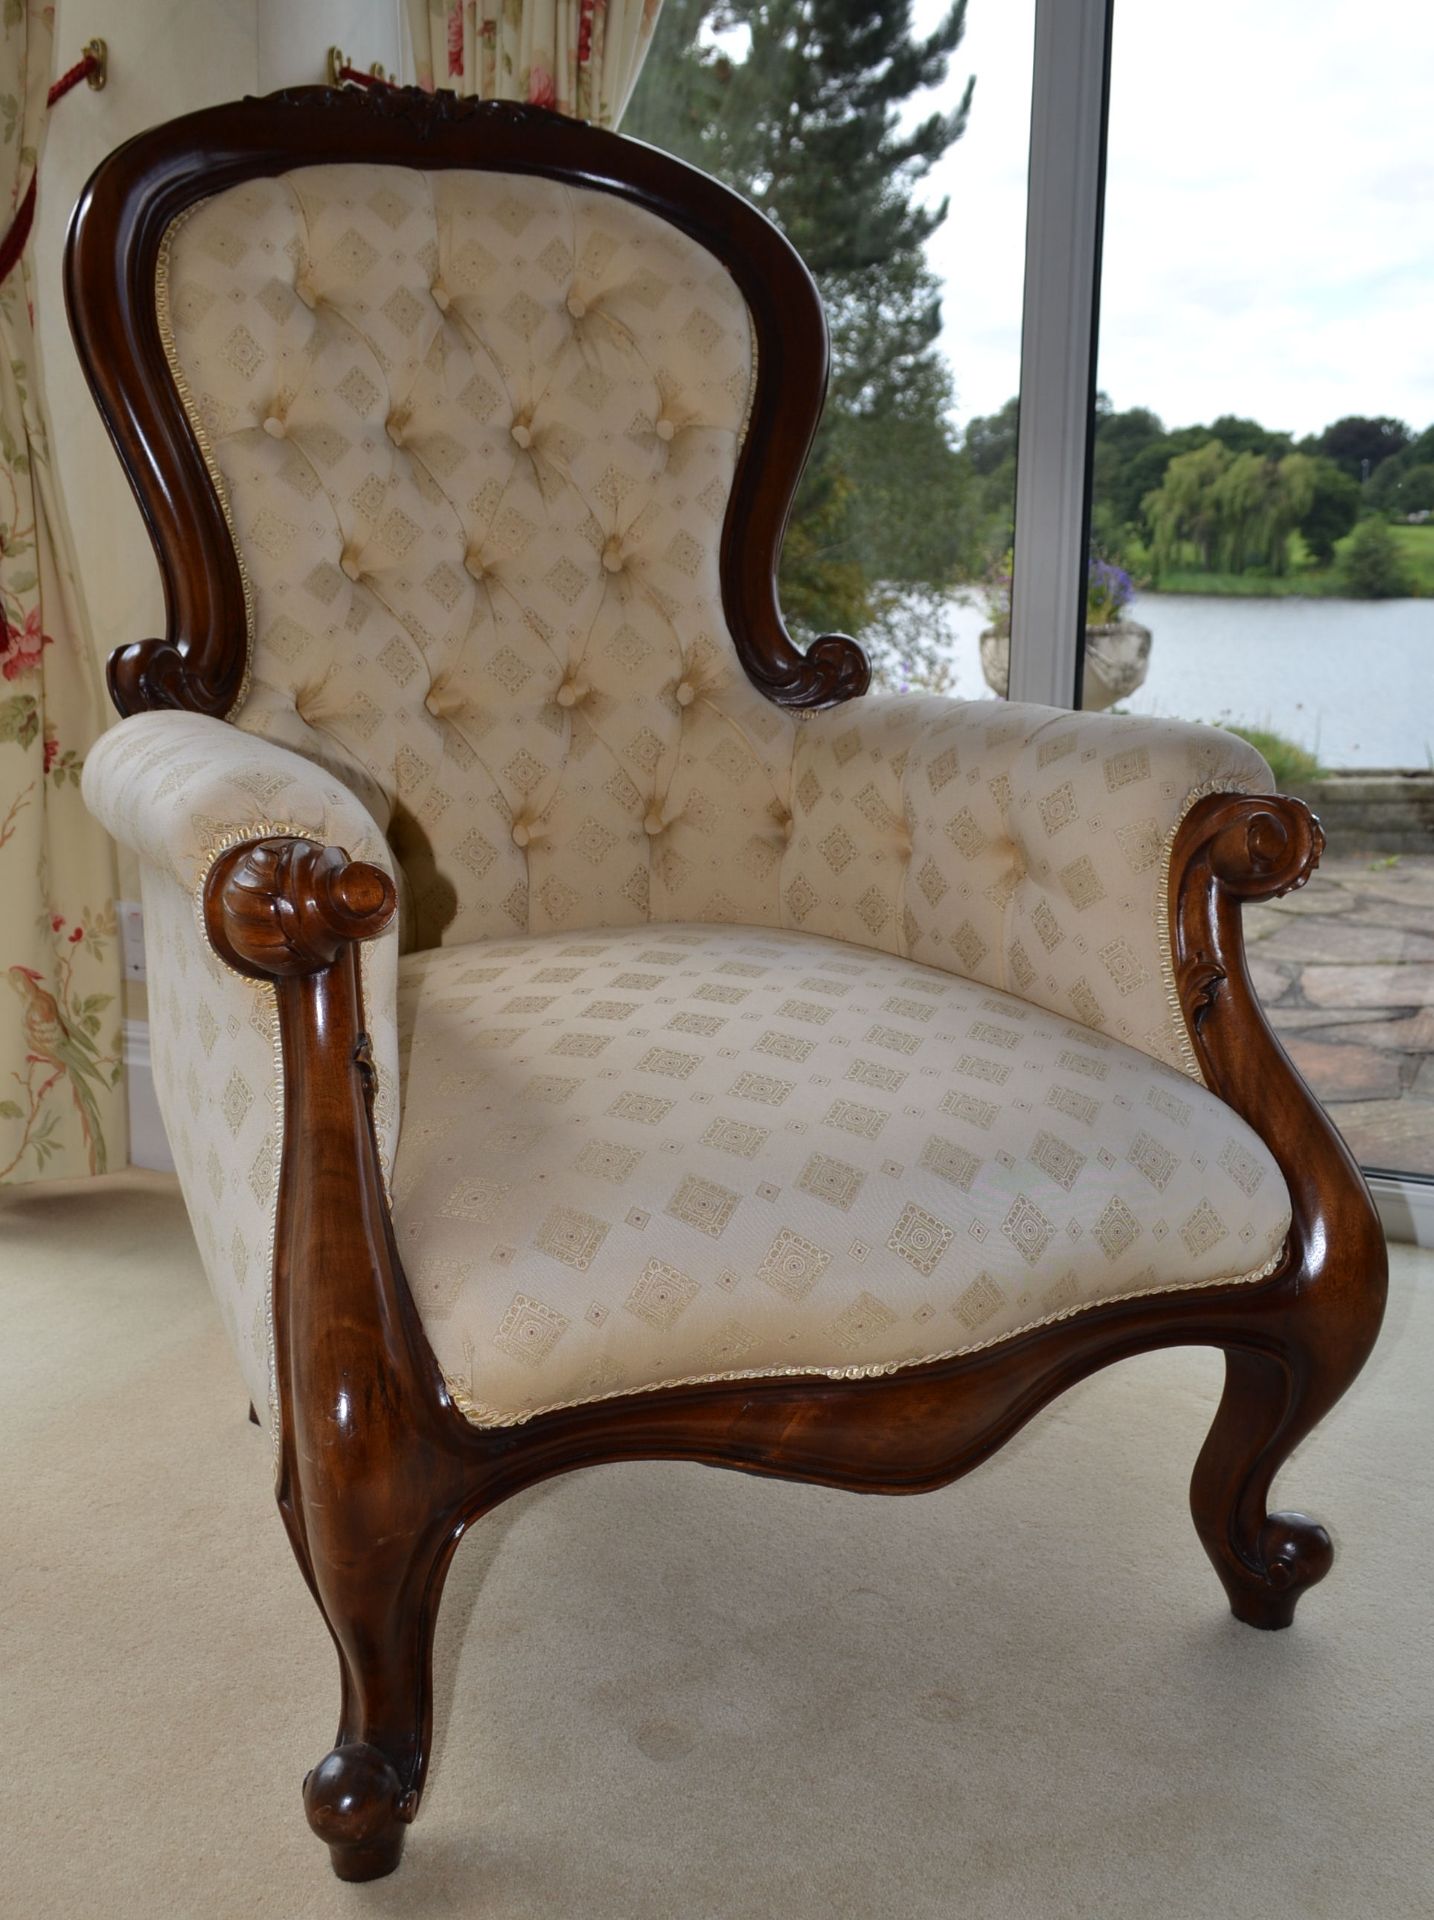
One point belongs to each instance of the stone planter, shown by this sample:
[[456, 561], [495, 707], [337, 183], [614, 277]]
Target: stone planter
[[1117, 659]]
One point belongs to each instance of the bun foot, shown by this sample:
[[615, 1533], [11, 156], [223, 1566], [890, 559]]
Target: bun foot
[[358, 1806], [1295, 1553]]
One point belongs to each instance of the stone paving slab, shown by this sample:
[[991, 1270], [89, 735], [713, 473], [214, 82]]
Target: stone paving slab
[[1411, 883], [1318, 896], [1270, 983], [1355, 986], [1411, 1033], [1352, 939], [1345, 968], [1345, 1072], [1307, 1019], [1395, 1135]]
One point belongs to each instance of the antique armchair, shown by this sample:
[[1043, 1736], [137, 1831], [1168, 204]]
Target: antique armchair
[[590, 1028]]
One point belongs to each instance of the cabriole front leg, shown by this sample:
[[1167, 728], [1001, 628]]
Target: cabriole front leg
[[1273, 1397], [371, 1461], [1295, 1345]]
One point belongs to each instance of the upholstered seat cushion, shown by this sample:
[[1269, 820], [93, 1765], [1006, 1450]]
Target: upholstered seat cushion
[[666, 1153]]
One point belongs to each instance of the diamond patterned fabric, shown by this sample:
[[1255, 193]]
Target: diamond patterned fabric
[[652, 1155], [476, 436], [178, 788]]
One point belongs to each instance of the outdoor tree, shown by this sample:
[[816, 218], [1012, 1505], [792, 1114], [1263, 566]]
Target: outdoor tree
[[1332, 511], [808, 108], [1358, 444], [988, 448], [1397, 486], [1131, 453], [1182, 511], [1237, 511], [1414, 491], [1374, 568]]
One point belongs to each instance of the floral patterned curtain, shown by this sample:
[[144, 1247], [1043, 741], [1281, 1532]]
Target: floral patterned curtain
[[61, 1106], [580, 56]]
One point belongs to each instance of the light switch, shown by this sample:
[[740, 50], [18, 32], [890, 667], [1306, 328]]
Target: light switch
[[131, 926]]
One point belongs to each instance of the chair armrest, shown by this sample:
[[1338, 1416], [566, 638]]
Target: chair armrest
[[177, 788], [1024, 847], [182, 790]]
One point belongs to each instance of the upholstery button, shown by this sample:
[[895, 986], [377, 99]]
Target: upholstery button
[[303, 286], [522, 433], [571, 692], [654, 823], [473, 565], [686, 693], [393, 427], [442, 299], [275, 427], [577, 306], [612, 555], [665, 429], [525, 832], [349, 564]]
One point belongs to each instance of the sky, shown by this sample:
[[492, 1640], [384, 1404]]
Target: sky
[[1269, 231]]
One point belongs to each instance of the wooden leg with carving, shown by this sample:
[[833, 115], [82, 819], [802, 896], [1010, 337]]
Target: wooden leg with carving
[[381, 1608], [374, 1460], [1294, 1347], [1272, 1399]]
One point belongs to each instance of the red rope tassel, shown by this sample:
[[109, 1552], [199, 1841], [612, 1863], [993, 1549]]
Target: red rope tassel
[[81, 70], [13, 245], [365, 79]]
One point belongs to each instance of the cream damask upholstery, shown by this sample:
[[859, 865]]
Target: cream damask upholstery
[[178, 789], [657, 1154], [476, 435], [1024, 847]]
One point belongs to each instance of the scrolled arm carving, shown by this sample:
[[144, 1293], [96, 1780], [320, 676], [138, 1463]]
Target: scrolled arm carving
[[156, 674], [1262, 846], [1231, 850], [832, 670], [280, 908]]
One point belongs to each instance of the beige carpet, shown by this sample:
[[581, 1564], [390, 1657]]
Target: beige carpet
[[668, 1694]]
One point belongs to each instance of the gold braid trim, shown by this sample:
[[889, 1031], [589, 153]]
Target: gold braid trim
[[481, 1416]]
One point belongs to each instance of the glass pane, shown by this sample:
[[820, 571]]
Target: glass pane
[[890, 145], [1264, 478]]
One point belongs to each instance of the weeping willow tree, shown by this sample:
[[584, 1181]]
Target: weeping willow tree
[[1236, 511], [806, 107]]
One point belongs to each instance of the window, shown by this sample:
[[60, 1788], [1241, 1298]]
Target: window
[[902, 184], [1246, 469], [1264, 474]]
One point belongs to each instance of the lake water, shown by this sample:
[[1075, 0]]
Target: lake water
[[1351, 679]]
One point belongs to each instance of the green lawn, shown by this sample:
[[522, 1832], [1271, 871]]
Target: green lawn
[[1253, 586], [1416, 543], [1418, 546]]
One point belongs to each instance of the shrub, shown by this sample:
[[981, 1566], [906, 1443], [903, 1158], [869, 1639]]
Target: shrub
[[1373, 567], [1290, 763]]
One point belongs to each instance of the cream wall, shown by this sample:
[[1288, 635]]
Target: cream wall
[[167, 57]]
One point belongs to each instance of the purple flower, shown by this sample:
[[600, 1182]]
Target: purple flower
[[1108, 592]]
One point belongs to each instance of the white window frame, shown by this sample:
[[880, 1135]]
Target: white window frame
[[1070, 91]]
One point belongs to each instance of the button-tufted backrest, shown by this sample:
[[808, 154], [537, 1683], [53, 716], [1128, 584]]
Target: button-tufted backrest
[[476, 434]]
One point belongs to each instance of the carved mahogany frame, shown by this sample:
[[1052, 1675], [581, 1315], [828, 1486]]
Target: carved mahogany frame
[[379, 1473], [114, 248]]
